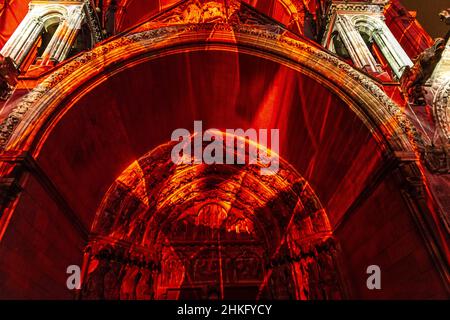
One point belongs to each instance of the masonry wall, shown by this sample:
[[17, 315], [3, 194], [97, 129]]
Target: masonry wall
[[384, 233]]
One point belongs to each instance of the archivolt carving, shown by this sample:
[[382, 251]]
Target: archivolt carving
[[165, 220], [197, 12]]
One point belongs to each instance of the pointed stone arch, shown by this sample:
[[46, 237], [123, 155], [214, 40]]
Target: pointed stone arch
[[367, 100], [182, 218], [32, 122]]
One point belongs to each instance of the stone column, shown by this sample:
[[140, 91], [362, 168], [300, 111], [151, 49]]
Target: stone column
[[355, 44], [23, 39], [15, 40], [395, 55]]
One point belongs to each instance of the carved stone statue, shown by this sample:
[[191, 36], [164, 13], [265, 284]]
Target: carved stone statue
[[414, 78]]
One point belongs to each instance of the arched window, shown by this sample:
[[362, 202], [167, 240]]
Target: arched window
[[338, 46], [47, 34], [382, 44], [45, 29], [375, 50]]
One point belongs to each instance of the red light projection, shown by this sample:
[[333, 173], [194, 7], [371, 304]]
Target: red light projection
[[167, 231], [87, 178]]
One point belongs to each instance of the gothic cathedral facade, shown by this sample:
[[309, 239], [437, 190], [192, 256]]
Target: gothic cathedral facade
[[92, 90]]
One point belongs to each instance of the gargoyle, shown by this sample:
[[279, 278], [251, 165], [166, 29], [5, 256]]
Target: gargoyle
[[415, 77]]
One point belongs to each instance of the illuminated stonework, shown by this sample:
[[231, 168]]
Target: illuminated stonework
[[360, 26], [255, 232], [439, 87], [62, 20], [92, 92]]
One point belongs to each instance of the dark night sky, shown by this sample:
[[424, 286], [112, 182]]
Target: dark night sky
[[427, 13]]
